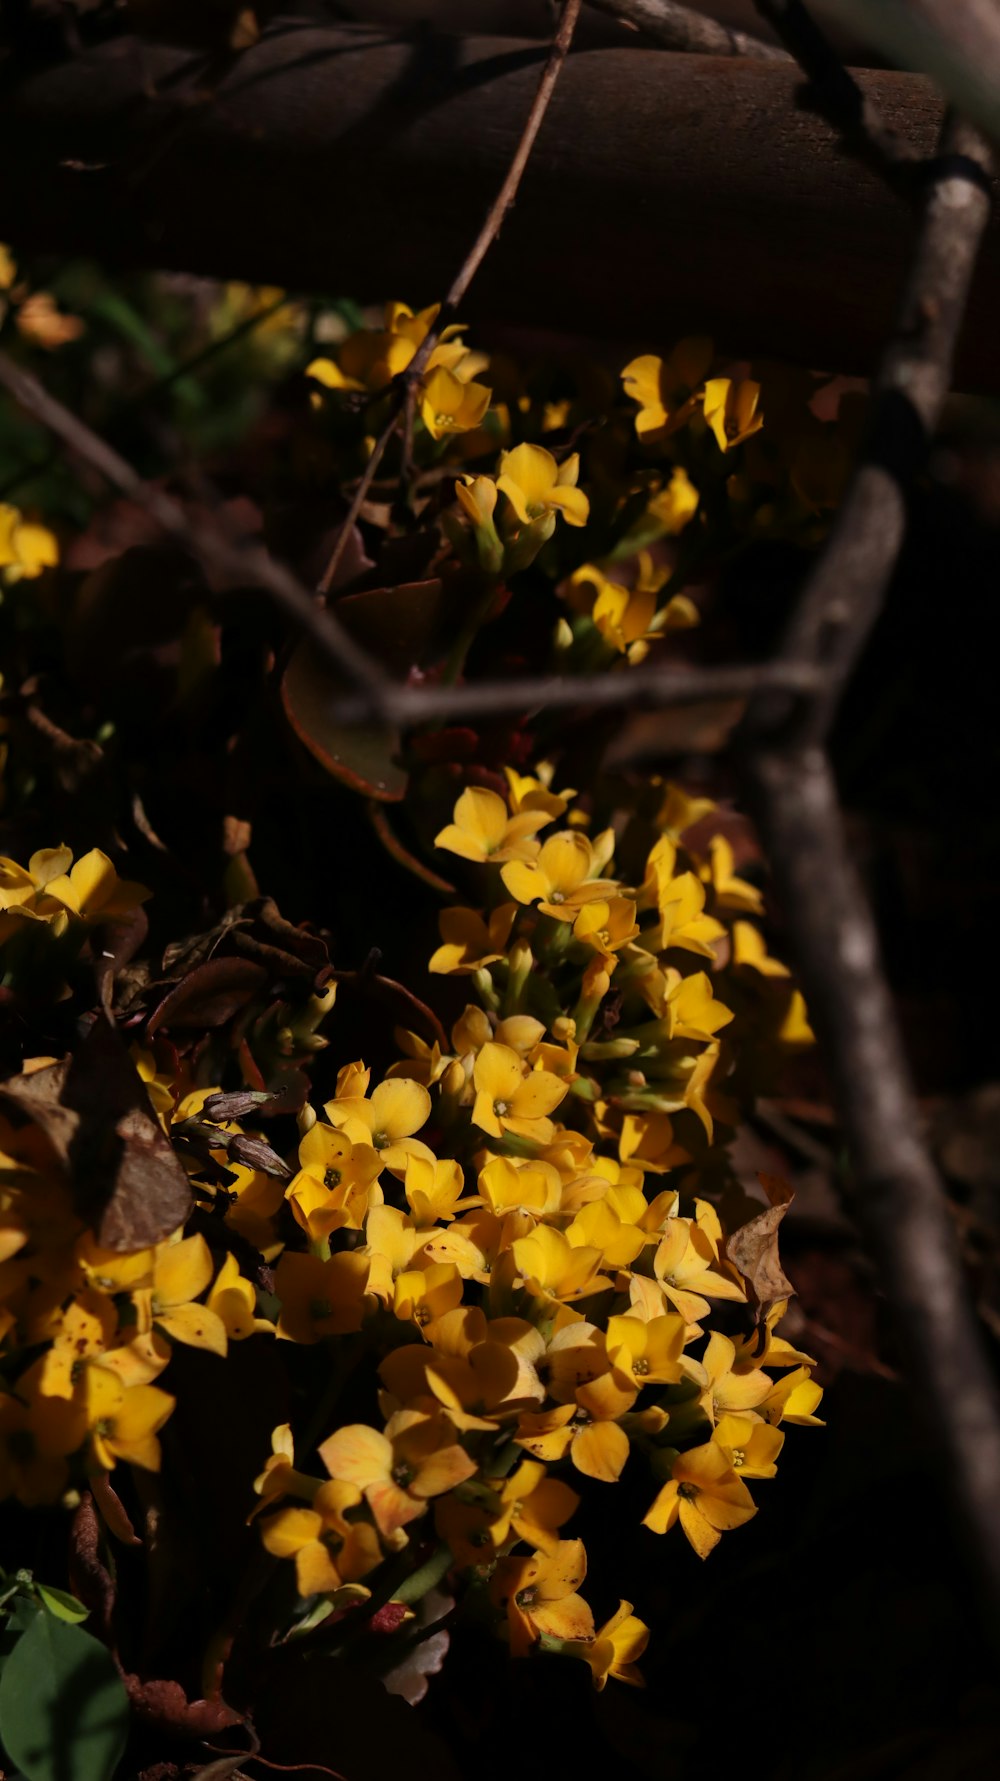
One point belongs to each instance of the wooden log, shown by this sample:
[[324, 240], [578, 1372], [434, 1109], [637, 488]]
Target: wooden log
[[666, 192]]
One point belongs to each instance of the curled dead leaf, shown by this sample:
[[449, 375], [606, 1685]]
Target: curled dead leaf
[[753, 1249]]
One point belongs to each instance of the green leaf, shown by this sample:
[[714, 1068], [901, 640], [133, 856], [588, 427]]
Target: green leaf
[[64, 1714], [60, 1603]]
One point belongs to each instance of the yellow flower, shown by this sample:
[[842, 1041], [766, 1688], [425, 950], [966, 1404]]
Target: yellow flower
[[706, 1495], [666, 389], [328, 1549], [121, 1420], [336, 1183], [181, 1272], [553, 1267], [483, 829], [795, 1398], [750, 949], [539, 1594], [399, 1471], [510, 1100], [728, 1391], [730, 892], [615, 1648], [622, 616], [529, 1506], [433, 1190], [26, 549], [372, 357], [647, 1140], [675, 505], [680, 901], [94, 891], [731, 410], [686, 1266], [560, 878], [447, 405], [234, 1300], [321, 1298], [536, 486], [607, 924], [469, 942], [751, 1447], [507, 1185], [386, 1121], [647, 1353], [526, 792], [422, 1294]]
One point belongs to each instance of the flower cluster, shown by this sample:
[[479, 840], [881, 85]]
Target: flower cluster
[[516, 1258], [516, 1226]]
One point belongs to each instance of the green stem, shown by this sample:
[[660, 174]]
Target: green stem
[[430, 1573]]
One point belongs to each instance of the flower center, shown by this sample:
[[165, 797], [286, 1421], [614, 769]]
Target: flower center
[[403, 1474], [332, 1178], [640, 1366], [501, 1109], [526, 1598], [536, 509], [381, 1140], [739, 1457], [421, 1315], [688, 1491], [319, 1308], [557, 896]]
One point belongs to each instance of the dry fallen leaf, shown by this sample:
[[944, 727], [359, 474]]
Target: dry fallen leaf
[[753, 1249]]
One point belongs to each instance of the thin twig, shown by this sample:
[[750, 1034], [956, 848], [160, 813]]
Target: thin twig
[[463, 278], [843, 595], [640, 687], [208, 537], [836, 95], [676, 27]]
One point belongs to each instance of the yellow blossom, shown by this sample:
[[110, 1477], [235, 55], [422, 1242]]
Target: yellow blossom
[[615, 1648], [731, 410], [234, 1300], [26, 548], [468, 942], [448, 405], [510, 1100], [649, 1353], [706, 1495], [483, 829], [536, 486], [730, 892], [399, 1471], [751, 1447], [539, 1595], [386, 1120], [181, 1272], [560, 879], [666, 389], [321, 1298]]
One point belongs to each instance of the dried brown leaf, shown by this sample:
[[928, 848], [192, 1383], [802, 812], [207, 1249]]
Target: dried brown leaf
[[753, 1249]]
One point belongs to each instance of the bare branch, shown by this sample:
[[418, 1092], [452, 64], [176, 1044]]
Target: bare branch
[[833, 941], [843, 595], [647, 686], [207, 538], [956, 42], [679, 28], [464, 276], [836, 95], [900, 1198]]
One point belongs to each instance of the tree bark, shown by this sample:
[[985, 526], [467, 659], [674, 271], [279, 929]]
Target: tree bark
[[666, 192]]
